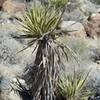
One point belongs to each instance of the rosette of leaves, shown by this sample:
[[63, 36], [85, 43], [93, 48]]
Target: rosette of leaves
[[74, 86], [40, 26]]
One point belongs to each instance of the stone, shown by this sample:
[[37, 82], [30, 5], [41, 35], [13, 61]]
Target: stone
[[9, 95], [12, 63], [95, 1], [87, 7], [95, 17], [1, 3], [10, 6], [92, 26], [78, 10], [72, 28], [10, 72]]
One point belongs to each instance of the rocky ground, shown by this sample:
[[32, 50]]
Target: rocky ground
[[81, 23]]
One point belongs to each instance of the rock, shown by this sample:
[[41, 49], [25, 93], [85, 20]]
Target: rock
[[95, 56], [87, 7], [9, 48], [78, 10], [7, 74], [10, 72], [73, 28], [92, 26], [9, 95], [1, 3], [95, 17], [95, 1], [12, 63], [75, 15], [10, 6]]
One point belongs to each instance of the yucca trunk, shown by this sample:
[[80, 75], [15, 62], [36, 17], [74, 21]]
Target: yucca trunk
[[46, 73]]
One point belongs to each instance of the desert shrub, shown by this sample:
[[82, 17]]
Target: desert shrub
[[73, 86], [40, 26]]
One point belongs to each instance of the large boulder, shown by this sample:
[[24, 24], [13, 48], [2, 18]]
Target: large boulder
[[12, 63], [72, 28]]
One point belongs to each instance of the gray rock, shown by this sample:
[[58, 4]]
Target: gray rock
[[95, 1], [78, 10], [13, 63], [87, 6], [73, 28]]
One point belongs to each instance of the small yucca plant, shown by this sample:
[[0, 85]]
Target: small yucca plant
[[73, 86], [40, 25]]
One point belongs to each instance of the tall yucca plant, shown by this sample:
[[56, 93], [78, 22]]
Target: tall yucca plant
[[39, 24]]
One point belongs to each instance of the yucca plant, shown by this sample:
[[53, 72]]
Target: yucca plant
[[73, 86], [40, 21], [40, 26]]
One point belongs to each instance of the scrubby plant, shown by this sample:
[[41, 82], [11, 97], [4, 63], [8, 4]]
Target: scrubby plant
[[73, 86], [40, 26]]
